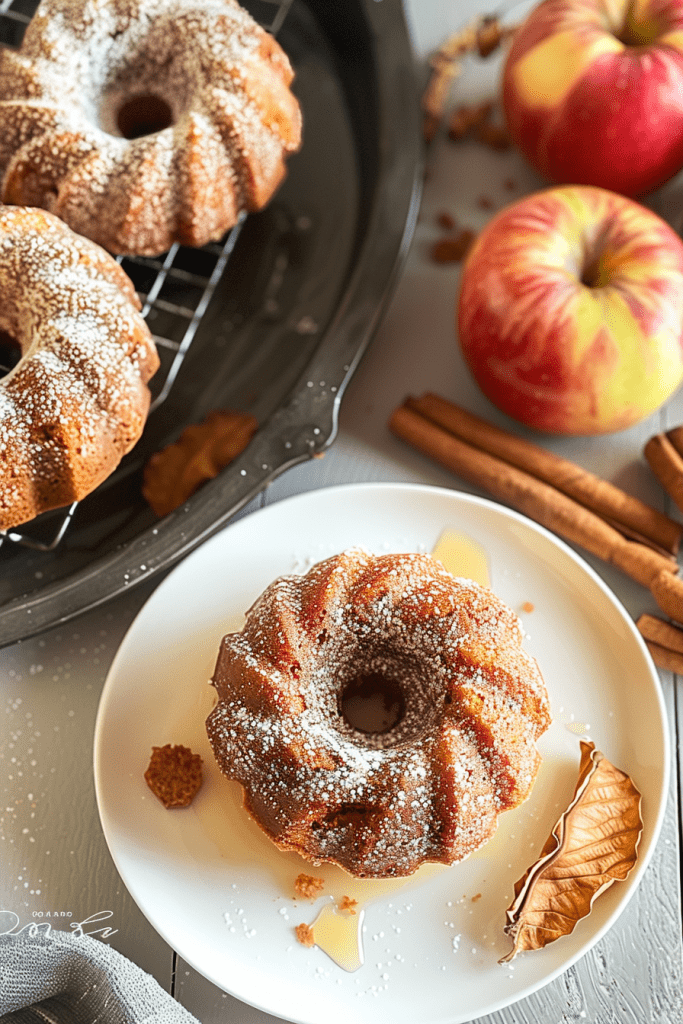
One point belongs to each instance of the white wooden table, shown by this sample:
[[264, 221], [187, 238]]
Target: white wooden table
[[53, 856]]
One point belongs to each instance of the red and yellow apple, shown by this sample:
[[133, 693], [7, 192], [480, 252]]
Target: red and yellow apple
[[593, 92], [570, 313]]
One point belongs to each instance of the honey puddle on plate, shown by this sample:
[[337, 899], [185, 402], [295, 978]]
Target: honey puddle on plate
[[239, 839], [340, 935], [462, 556]]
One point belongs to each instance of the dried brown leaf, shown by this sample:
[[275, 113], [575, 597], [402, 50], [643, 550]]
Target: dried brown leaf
[[593, 845]]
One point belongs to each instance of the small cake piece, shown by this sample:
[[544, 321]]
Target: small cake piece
[[308, 887], [174, 775], [304, 935], [200, 453], [347, 905], [145, 122], [452, 709], [77, 399]]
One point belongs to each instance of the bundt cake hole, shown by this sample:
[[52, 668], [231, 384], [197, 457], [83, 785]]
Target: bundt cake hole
[[144, 114], [10, 352], [372, 703]]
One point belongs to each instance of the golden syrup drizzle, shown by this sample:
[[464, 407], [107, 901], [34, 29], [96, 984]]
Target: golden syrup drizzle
[[461, 555], [339, 934]]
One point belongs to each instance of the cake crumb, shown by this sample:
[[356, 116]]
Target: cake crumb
[[527, 606], [174, 775], [304, 935], [346, 905], [476, 897], [308, 887]]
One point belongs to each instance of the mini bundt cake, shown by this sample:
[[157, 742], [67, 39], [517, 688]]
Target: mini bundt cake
[[462, 706], [77, 400], [145, 122]]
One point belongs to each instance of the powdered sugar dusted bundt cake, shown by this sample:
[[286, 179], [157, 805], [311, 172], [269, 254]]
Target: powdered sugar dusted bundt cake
[[77, 400], [465, 705], [145, 122]]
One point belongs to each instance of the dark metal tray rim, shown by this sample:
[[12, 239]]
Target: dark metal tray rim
[[306, 424]]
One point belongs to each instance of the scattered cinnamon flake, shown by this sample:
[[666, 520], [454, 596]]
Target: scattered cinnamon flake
[[174, 775], [308, 887], [593, 845], [465, 119], [490, 35], [446, 221], [430, 126], [482, 36], [453, 248], [528, 606], [199, 454], [346, 905], [304, 935], [494, 135], [476, 897]]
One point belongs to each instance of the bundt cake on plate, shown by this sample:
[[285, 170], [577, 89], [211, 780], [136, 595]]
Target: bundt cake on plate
[[145, 122], [453, 707], [76, 400]]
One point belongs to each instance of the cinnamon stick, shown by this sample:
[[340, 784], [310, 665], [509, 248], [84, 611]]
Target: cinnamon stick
[[670, 661], [675, 435], [658, 631], [667, 591], [634, 517], [664, 642], [666, 463], [538, 500]]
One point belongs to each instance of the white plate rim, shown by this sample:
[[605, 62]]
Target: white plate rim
[[361, 491]]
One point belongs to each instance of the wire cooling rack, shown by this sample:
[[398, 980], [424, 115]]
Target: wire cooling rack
[[175, 289], [299, 299]]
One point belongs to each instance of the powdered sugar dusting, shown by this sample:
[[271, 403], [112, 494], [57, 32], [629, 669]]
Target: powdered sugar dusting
[[223, 79], [77, 399], [431, 787]]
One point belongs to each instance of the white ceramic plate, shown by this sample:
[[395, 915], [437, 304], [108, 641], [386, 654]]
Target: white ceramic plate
[[217, 890]]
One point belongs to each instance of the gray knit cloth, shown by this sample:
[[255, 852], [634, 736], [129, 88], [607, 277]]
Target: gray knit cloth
[[59, 977]]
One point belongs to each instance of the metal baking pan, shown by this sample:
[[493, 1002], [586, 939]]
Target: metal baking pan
[[278, 316]]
